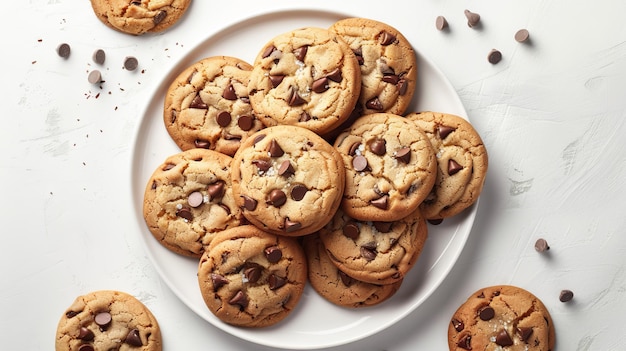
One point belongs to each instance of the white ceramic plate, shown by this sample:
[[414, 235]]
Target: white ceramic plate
[[315, 323]]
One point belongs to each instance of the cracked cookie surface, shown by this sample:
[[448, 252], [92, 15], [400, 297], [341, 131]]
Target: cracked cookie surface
[[188, 199], [252, 278], [390, 167], [139, 16], [501, 317], [108, 320]]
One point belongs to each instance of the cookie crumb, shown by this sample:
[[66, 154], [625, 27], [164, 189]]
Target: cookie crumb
[[541, 245], [494, 56], [566, 295], [64, 50]]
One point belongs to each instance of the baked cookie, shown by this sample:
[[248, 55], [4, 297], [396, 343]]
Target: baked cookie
[[390, 167], [108, 320], [387, 61], [252, 278], [139, 16], [462, 163], [373, 251], [188, 199], [306, 77], [288, 180], [207, 105], [502, 317], [338, 287]]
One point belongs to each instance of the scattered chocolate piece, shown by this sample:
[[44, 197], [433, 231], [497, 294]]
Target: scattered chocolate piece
[[99, 56], [185, 213], [94, 77], [133, 338], [441, 23], [249, 203], [223, 119], [131, 63], [103, 319], [472, 18], [253, 274], [273, 254], [277, 198], [195, 199], [522, 36], [486, 313], [524, 333], [378, 147], [298, 192], [276, 282], [359, 163], [229, 93], [465, 343], [218, 280], [351, 230], [274, 149], [239, 299], [541, 245], [494, 56], [503, 338], [453, 167], [64, 50], [216, 190], [85, 334], [245, 122], [566, 295], [403, 155]]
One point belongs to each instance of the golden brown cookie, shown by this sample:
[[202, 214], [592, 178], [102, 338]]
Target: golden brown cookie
[[108, 320], [207, 105], [338, 287], [502, 317], [288, 180], [140, 16], [252, 278], [188, 199], [307, 77], [462, 163], [390, 167]]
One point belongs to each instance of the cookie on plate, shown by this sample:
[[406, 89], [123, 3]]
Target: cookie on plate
[[188, 199], [502, 317], [338, 287], [373, 251], [108, 320], [288, 180], [140, 16], [307, 77], [390, 167], [387, 61], [462, 163], [207, 105], [252, 278]]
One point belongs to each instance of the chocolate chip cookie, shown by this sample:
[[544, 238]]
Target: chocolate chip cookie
[[338, 287], [288, 180], [387, 61], [108, 320], [139, 16], [252, 278], [502, 317], [207, 105], [462, 163], [375, 252], [390, 167], [189, 198], [307, 77]]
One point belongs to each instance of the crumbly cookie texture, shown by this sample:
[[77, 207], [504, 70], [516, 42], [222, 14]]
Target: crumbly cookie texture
[[207, 105], [138, 17], [462, 163], [372, 251], [288, 180], [252, 278], [307, 77], [189, 199], [338, 287], [502, 317], [108, 320], [390, 167], [387, 61]]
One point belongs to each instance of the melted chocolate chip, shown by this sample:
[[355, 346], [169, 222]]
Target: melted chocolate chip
[[277, 198], [383, 227], [403, 155], [294, 98], [223, 119], [276, 80], [503, 338], [276, 282], [444, 131], [335, 75], [198, 103], [304, 116], [249, 203], [239, 299], [351, 230], [262, 165], [524, 333], [202, 144], [71, 314], [382, 202], [216, 190], [218, 280], [486, 313], [274, 149], [185, 212], [298, 192], [345, 279], [229, 93], [253, 273], [133, 338], [158, 18], [273, 254], [300, 52], [378, 147], [292, 226], [359, 55], [173, 116], [374, 104], [368, 251], [453, 167], [285, 169], [86, 347], [85, 334], [320, 85], [402, 86]]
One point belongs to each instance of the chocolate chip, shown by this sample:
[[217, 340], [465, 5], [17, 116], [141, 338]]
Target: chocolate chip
[[386, 38], [258, 138], [367, 252], [274, 149], [198, 103], [453, 167], [225, 208], [268, 51], [94, 77], [276, 282], [173, 116], [229, 93], [320, 85], [216, 190], [292, 226], [494, 56], [503, 338], [195, 199], [262, 165], [184, 212], [249, 203], [524, 333], [378, 147], [239, 299], [353, 148], [85, 334], [133, 338], [486, 313], [298, 192], [457, 324], [218, 281], [403, 155], [277, 198], [566, 295], [276, 80], [351, 230], [253, 274], [541, 245], [435, 221], [335, 75], [285, 169], [304, 116], [444, 131], [103, 319], [301, 52], [86, 347], [294, 98], [402, 86], [441, 23], [383, 227], [99, 56], [359, 55], [245, 122], [159, 17], [472, 18], [359, 163], [345, 279], [64, 50], [131, 63], [223, 119], [382, 202], [273, 254], [465, 343], [522, 35], [374, 104], [202, 144], [391, 78]]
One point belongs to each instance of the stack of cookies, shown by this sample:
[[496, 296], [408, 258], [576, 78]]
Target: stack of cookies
[[305, 166]]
